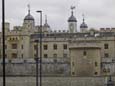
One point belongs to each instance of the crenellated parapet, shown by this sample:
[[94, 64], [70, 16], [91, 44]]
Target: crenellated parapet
[[107, 29], [59, 31]]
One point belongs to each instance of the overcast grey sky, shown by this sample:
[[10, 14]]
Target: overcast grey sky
[[98, 13]]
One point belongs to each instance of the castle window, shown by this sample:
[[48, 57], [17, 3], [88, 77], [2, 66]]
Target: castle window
[[104, 70], [55, 46], [106, 46], [73, 73], [35, 47], [84, 53], [96, 73], [22, 46], [64, 55], [22, 55], [95, 64], [106, 55], [35, 55], [13, 38], [45, 55], [16, 38], [14, 55], [55, 57], [45, 47], [65, 46], [10, 38], [14, 46]]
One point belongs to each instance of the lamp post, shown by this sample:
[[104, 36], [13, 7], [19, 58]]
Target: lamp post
[[3, 40], [39, 11], [36, 59]]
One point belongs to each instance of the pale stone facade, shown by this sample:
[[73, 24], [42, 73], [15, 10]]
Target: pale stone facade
[[23, 43]]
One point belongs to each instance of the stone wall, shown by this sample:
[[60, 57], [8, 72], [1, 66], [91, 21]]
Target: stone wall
[[56, 81], [28, 68]]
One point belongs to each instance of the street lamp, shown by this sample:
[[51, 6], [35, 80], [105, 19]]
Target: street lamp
[[3, 41], [39, 11], [36, 59]]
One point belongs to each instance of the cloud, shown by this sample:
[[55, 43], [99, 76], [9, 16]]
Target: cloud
[[98, 13]]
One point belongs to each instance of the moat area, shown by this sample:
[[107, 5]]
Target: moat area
[[56, 81]]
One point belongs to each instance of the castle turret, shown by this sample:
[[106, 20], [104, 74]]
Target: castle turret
[[46, 27], [29, 19], [83, 26], [72, 22]]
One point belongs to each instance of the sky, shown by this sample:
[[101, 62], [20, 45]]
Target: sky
[[98, 13]]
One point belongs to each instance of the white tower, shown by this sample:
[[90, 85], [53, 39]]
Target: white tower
[[29, 20], [72, 22]]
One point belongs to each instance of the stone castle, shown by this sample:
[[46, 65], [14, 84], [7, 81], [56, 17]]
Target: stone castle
[[90, 52]]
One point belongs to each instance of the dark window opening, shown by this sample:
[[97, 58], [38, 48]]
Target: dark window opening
[[96, 73], [45, 47], [84, 53], [106, 46], [106, 55], [73, 73], [14, 46], [35, 47], [65, 46], [45, 56], [22, 46], [14, 55], [96, 64], [55, 46]]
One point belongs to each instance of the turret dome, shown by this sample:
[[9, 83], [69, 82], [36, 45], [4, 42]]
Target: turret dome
[[72, 18], [29, 16], [83, 25]]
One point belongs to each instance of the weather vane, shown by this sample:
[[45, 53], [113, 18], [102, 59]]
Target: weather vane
[[72, 8], [29, 8], [83, 17], [46, 18]]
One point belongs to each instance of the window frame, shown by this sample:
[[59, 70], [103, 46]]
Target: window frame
[[106, 46], [45, 55], [55, 46], [14, 45], [45, 47], [65, 46]]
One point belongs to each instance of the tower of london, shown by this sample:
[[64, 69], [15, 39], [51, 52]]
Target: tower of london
[[64, 52]]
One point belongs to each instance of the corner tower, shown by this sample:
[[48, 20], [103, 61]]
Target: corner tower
[[46, 27], [83, 26], [29, 19], [72, 22]]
